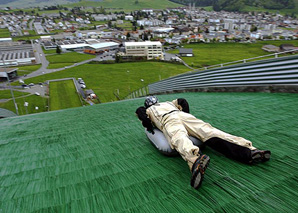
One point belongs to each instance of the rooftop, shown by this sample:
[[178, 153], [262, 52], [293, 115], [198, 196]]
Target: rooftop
[[185, 51], [103, 45], [142, 43], [98, 159]]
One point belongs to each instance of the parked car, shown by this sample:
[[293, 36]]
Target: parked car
[[31, 85], [83, 86], [36, 93], [25, 86]]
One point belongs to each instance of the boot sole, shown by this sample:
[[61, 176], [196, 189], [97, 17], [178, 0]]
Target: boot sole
[[198, 174]]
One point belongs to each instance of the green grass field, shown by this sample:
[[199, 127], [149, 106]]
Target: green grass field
[[33, 100], [288, 11], [63, 95], [127, 5], [28, 69], [206, 54], [51, 51], [127, 25], [29, 37], [105, 79], [65, 59], [4, 33], [31, 32], [6, 94]]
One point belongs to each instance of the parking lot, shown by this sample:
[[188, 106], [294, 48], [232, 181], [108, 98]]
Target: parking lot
[[37, 89]]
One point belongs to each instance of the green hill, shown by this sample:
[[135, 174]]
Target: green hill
[[116, 4], [98, 159], [283, 6]]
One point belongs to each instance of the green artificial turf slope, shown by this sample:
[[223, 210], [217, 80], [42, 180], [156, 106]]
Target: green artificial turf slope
[[98, 159]]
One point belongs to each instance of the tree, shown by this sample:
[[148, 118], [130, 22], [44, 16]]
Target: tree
[[58, 50], [136, 2], [253, 28]]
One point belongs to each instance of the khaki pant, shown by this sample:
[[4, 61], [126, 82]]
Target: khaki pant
[[177, 126]]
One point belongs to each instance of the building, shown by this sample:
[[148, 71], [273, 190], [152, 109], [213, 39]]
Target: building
[[10, 72], [129, 18], [45, 38], [185, 52], [288, 47], [270, 48], [149, 49], [16, 54], [5, 40], [73, 47], [101, 47]]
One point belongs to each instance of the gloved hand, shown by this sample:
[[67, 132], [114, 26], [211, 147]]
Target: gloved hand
[[151, 130]]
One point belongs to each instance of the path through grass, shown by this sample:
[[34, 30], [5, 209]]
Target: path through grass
[[66, 59]]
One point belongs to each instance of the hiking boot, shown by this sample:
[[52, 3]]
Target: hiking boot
[[198, 171], [260, 156]]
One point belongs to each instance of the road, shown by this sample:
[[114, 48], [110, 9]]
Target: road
[[31, 24], [169, 56], [40, 58]]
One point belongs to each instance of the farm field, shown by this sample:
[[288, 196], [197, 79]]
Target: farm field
[[66, 59], [207, 54], [63, 95], [105, 79]]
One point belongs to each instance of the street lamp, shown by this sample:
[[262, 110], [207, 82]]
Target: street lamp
[[14, 101], [26, 105]]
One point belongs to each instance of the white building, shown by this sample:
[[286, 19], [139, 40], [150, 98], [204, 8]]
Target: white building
[[150, 49], [5, 39], [129, 18]]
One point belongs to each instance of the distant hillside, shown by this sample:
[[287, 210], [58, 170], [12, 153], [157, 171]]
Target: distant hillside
[[290, 6], [117, 4], [33, 3]]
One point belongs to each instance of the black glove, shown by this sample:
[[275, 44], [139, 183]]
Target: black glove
[[146, 122], [150, 130], [184, 104]]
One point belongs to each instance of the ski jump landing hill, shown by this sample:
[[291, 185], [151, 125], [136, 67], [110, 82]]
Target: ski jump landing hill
[[98, 159]]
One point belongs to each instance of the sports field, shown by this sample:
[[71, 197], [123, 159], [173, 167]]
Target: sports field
[[63, 95]]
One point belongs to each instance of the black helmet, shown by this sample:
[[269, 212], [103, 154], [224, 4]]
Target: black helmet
[[150, 100]]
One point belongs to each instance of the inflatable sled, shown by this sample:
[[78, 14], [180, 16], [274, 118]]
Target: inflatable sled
[[160, 142]]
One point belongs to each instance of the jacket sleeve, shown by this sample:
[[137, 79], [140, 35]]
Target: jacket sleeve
[[146, 122], [181, 104]]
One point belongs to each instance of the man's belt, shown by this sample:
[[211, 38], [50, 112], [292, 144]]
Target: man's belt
[[169, 113]]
